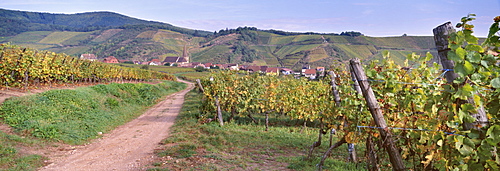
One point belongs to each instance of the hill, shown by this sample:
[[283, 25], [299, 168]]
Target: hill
[[111, 34]]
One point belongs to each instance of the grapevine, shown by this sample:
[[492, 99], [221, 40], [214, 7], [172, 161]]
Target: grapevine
[[24, 67], [427, 115]]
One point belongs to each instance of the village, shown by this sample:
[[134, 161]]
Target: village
[[307, 71]]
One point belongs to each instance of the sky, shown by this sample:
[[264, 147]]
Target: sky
[[377, 18]]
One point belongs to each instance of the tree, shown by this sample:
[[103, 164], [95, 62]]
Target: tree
[[146, 67]]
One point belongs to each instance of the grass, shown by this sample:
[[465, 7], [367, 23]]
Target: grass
[[11, 155], [241, 145], [192, 76], [75, 116]]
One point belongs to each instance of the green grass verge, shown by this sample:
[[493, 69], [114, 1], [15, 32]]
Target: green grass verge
[[192, 76], [242, 145], [76, 115], [11, 156]]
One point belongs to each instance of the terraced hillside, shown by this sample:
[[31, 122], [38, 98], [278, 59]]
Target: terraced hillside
[[297, 51], [134, 39]]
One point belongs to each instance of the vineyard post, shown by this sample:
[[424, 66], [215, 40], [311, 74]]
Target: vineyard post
[[372, 163], [26, 73], [394, 155], [17, 65], [219, 112], [199, 85], [441, 34], [350, 146], [372, 155]]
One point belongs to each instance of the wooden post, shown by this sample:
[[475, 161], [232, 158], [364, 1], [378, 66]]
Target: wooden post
[[267, 121], [350, 146], [200, 86], [390, 147], [441, 34], [334, 88], [372, 164], [219, 112]]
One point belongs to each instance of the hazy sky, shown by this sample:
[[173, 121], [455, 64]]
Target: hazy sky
[[370, 17]]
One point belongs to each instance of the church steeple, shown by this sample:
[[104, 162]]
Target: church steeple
[[185, 54]]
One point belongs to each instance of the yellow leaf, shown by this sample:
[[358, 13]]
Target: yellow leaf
[[429, 159]]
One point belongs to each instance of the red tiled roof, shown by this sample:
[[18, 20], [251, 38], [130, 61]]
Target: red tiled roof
[[272, 69], [310, 71]]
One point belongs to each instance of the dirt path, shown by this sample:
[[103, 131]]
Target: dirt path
[[128, 147]]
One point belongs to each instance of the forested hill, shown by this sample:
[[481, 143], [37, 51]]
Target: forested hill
[[111, 34], [15, 22]]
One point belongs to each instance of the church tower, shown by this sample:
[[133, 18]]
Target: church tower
[[185, 54]]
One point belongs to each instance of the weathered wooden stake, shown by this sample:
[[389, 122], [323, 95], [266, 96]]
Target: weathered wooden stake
[[390, 147], [441, 34], [350, 146], [267, 121], [372, 163], [219, 112], [200, 86]]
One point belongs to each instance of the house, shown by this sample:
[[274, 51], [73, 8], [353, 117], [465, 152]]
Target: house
[[252, 69], [218, 65], [175, 60], [230, 66], [304, 68], [310, 73], [286, 71], [207, 65], [273, 71], [155, 62], [90, 57], [110, 59]]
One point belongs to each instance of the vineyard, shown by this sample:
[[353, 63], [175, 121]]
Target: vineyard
[[417, 116], [27, 68]]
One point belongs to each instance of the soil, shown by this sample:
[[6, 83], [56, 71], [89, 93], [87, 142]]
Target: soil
[[128, 147]]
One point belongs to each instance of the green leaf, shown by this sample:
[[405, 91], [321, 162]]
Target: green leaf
[[461, 53], [493, 135], [476, 77], [477, 48], [493, 30], [459, 69], [463, 145], [495, 83], [428, 56], [484, 63], [493, 165], [453, 56], [494, 106], [468, 67], [471, 39]]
